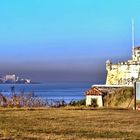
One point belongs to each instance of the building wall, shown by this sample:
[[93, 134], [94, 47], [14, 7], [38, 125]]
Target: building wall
[[10, 77], [112, 75], [124, 74], [98, 97]]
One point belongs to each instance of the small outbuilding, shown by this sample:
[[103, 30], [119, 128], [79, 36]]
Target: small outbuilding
[[94, 96]]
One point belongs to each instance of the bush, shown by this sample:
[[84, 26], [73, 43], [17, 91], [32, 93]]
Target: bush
[[21, 100], [57, 103], [78, 103]]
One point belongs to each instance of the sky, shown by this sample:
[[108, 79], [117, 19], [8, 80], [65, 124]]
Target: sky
[[65, 40]]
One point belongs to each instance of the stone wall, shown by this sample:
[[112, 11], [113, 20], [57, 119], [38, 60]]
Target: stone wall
[[122, 74]]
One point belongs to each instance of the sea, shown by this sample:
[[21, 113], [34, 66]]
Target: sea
[[67, 91], [71, 91]]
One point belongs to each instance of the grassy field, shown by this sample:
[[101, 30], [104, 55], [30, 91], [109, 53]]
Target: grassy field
[[69, 123]]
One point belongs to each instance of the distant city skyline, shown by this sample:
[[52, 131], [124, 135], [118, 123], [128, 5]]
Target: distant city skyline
[[65, 40], [14, 79]]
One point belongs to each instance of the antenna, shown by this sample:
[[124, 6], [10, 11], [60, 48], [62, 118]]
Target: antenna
[[133, 39]]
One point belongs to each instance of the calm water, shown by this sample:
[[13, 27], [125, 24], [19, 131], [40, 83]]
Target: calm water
[[56, 91]]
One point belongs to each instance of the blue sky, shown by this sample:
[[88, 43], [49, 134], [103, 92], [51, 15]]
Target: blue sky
[[65, 40]]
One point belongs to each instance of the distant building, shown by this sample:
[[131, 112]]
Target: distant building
[[14, 79], [10, 78], [28, 81]]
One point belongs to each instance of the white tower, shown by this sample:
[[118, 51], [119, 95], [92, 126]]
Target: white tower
[[133, 40]]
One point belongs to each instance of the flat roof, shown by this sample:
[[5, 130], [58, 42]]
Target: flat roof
[[112, 86]]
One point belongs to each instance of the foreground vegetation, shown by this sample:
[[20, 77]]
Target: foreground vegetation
[[121, 97], [69, 123]]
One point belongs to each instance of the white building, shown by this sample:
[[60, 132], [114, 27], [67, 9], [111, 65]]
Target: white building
[[125, 73], [95, 95], [10, 77]]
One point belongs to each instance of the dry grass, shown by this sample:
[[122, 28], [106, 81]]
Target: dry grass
[[69, 123], [121, 97]]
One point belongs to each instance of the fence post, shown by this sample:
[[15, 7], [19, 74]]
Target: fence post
[[135, 95]]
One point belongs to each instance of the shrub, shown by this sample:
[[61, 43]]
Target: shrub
[[78, 103], [57, 103], [21, 100]]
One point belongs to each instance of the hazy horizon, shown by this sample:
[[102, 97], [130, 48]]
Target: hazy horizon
[[65, 40]]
